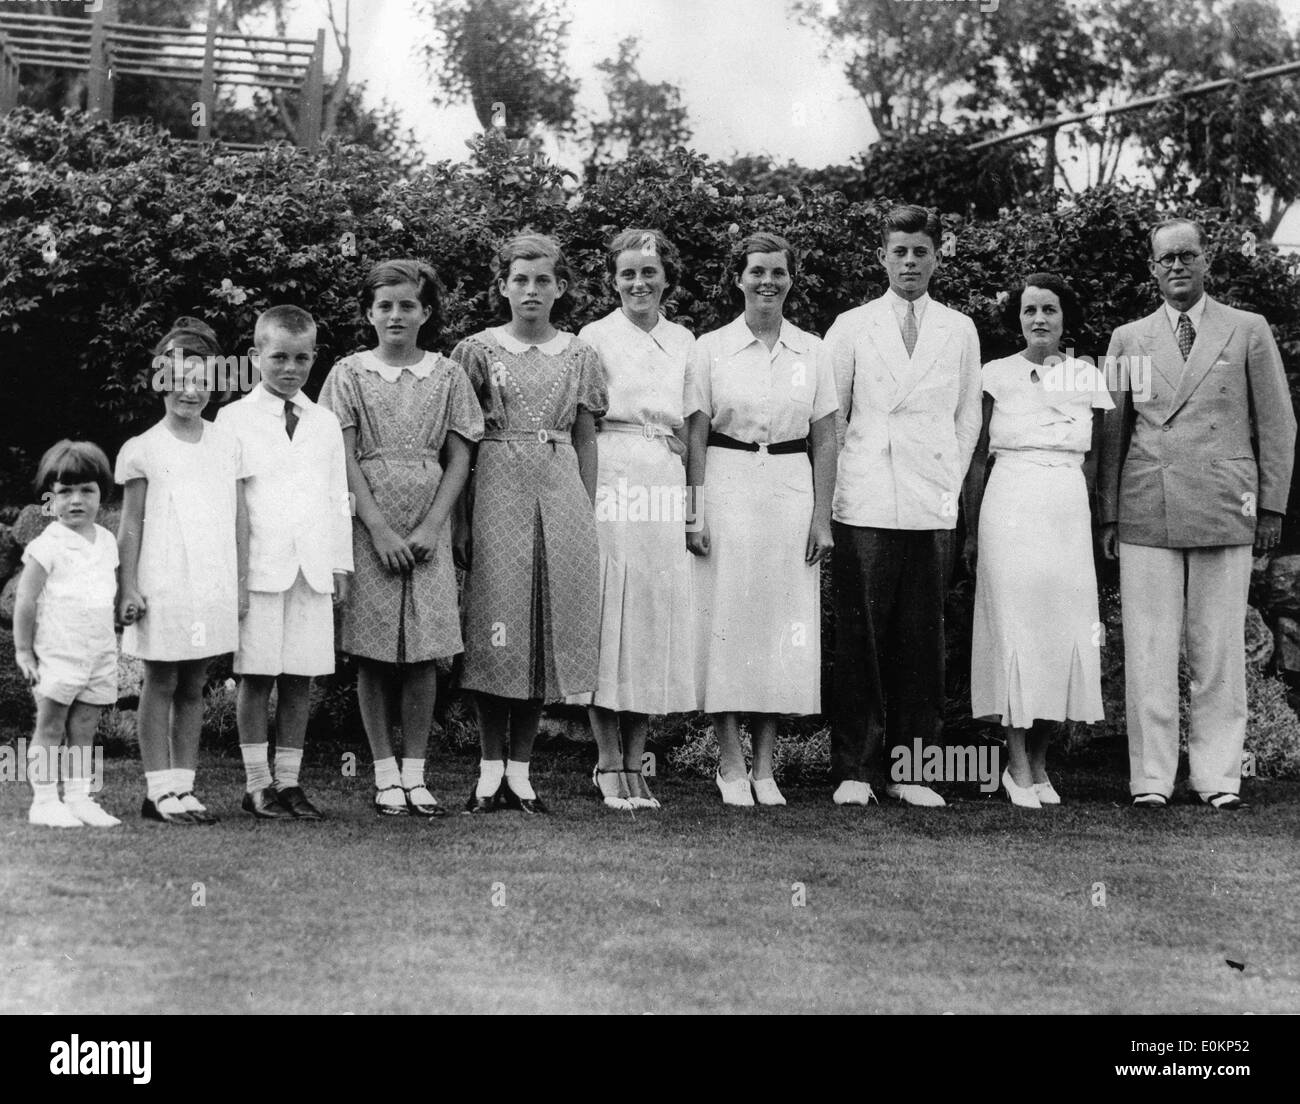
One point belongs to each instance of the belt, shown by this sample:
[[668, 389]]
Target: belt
[[648, 430], [780, 448], [541, 436]]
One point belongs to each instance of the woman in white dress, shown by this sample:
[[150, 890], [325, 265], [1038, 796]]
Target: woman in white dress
[[1035, 653], [764, 392], [647, 653]]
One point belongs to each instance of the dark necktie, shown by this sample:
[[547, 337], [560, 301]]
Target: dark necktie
[[1186, 335], [909, 328], [290, 418]]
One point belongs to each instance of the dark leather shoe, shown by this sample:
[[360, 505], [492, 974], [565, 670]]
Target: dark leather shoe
[[512, 800], [293, 799], [265, 805], [477, 804], [150, 811], [430, 808], [199, 816]]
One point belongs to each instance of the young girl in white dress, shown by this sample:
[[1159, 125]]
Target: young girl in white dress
[[64, 643], [183, 569], [1035, 652]]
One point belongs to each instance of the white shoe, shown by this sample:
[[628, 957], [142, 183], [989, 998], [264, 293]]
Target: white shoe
[[734, 793], [1024, 796], [854, 793], [52, 814], [90, 812], [765, 791], [912, 794], [1047, 794]]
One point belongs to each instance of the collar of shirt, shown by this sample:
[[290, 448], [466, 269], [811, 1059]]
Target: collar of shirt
[[1194, 314], [658, 335], [737, 335], [390, 373], [69, 538], [512, 344], [899, 305], [260, 394]]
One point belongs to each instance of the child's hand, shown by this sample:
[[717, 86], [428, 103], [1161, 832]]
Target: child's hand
[[422, 542], [131, 607], [243, 599], [27, 666], [341, 586], [393, 552]]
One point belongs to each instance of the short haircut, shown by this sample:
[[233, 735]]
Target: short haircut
[[1071, 310], [761, 241], [650, 241], [527, 247], [908, 218], [1169, 224], [71, 462], [292, 320], [406, 271], [192, 336]]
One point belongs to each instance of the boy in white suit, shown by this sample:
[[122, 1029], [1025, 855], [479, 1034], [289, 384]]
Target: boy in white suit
[[300, 553], [907, 373]]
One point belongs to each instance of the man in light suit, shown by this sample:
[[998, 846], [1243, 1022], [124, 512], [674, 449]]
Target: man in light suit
[[1191, 476], [907, 376]]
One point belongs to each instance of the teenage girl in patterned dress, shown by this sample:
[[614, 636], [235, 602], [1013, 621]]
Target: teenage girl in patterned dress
[[533, 595]]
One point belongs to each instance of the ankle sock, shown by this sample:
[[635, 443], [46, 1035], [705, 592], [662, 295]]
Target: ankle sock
[[517, 778], [44, 792], [386, 773], [490, 773], [157, 783], [74, 788], [182, 780], [412, 773], [288, 762], [257, 771]]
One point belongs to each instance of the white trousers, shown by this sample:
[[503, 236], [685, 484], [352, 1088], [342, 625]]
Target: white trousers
[[1199, 593]]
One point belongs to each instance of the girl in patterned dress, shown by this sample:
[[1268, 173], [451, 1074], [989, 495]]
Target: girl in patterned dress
[[409, 419], [533, 594]]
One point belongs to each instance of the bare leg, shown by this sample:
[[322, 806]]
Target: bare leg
[[493, 726], [1037, 749], [154, 718], [43, 751], [250, 707], [763, 727], [374, 700], [419, 694], [731, 758], [1018, 762], [292, 705], [187, 713], [525, 716], [609, 755], [636, 727]]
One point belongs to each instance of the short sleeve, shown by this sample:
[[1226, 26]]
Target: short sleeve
[[1101, 397], [464, 415], [131, 462], [339, 395], [593, 394], [825, 400], [43, 550], [991, 379], [111, 557], [472, 355], [699, 371], [242, 455], [690, 404]]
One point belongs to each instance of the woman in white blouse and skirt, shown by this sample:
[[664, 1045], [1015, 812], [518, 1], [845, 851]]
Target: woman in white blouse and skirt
[[1035, 652], [647, 652], [766, 401]]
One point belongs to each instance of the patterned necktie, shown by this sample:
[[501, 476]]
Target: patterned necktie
[[1186, 335], [909, 328], [290, 418]]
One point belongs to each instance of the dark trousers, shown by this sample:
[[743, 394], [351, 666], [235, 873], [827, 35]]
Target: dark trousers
[[889, 647]]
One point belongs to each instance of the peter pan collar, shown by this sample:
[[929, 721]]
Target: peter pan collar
[[512, 344], [391, 373]]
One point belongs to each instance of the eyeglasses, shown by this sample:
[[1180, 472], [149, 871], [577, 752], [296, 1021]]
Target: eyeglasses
[[1184, 258]]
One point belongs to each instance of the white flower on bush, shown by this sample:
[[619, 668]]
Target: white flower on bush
[[1001, 298], [104, 208], [231, 292], [175, 221], [49, 254], [45, 232], [24, 167], [395, 223]]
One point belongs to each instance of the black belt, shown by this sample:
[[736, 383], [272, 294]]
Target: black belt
[[780, 448]]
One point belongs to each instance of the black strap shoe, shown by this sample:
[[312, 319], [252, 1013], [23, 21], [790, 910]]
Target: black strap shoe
[[150, 811], [199, 816], [293, 799], [477, 804], [511, 800], [265, 805]]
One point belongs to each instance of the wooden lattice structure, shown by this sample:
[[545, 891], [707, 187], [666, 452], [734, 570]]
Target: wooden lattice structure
[[104, 48]]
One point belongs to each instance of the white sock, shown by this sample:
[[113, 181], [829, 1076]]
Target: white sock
[[288, 762], [74, 788], [490, 773], [386, 773], [517, 777], [412, 773], [256, 768], [43, 773], [157, 783], [182, 780], [44, 792]]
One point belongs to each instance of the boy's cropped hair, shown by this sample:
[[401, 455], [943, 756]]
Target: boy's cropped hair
[[71, 462], [908, 218], [292, 320]]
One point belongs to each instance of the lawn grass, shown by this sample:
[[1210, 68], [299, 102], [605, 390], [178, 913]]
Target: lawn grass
[[976, 908]]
